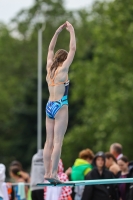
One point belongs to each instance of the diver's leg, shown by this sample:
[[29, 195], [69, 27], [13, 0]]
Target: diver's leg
[[60, 126], [48, 147]]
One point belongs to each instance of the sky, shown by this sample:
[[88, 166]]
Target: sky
[[9, 8]]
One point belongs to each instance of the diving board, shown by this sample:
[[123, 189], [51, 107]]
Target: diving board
[[89, 182]]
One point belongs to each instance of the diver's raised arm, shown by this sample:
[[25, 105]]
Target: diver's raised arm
[[72, 46], [52, 45]]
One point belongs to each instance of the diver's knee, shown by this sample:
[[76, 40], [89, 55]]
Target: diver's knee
[[49, 144], [58, 143]]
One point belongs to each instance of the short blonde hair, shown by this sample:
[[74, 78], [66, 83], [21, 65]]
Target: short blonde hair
[[86, 153]]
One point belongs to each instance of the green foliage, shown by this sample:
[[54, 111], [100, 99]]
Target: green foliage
[[101, 87], [106, 83]]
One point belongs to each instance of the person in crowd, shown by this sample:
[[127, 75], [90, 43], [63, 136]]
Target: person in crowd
[[14, 172], [2, 179], [100, 192], [81, 167], [24, 174], [59, 193], [125, 189], [116, 150], [111, 164], [58, 65], [37, 176]]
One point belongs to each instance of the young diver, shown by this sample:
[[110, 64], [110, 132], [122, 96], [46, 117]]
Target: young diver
[[57, 106]]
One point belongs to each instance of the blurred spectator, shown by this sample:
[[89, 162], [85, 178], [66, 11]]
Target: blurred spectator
[[2, 179], [82, 165], [111, 164], [59, 193], [68, 171], [24, 174], [116, 150], [80, 168], [100, 192], [37, 176], [16, 163], [17, 176], [126, 189]]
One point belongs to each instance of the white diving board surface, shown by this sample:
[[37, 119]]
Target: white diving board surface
[[89, 182]]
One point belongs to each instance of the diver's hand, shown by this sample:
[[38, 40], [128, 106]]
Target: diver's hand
[[69, 26], [61, 28]]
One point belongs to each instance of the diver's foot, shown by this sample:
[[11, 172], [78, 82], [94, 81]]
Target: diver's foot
[[54, 180], [46, 176]]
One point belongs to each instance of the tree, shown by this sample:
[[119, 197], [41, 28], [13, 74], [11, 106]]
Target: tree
[[20, 60], [101, 91], [106, 86]]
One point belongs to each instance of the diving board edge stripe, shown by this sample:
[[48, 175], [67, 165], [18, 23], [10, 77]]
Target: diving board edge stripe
[[90, 182]]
